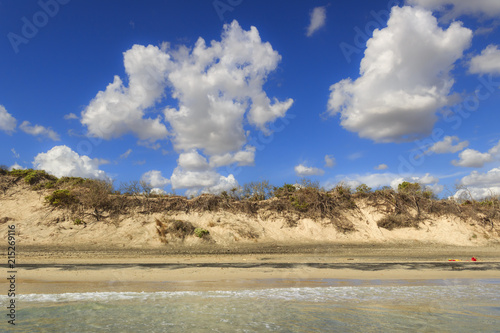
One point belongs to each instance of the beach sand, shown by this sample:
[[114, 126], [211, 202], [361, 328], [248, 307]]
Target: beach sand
[[45, 270]]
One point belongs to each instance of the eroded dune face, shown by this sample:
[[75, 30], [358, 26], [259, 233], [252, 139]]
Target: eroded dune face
[[211, 221]]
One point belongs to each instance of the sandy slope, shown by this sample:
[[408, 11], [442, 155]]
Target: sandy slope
[[38, 224]]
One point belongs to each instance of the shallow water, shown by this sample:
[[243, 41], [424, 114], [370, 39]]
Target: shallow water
[[431, 306]]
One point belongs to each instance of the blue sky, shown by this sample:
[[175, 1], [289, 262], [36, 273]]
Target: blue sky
[[201, 96]]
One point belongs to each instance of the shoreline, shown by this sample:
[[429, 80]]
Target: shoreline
[[43, 270]]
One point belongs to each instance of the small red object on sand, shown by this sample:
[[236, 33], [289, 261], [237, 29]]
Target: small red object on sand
[[473, 259]]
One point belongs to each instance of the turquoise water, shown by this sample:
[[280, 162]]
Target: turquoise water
[[434, 306]]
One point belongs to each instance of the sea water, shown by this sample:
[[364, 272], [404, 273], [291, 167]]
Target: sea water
[[356, 306]]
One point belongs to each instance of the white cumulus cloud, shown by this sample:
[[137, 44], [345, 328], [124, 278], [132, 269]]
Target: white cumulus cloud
[[155, 179], [472, 158], [242, 158], [193, 161], [302, 171], [487, 62], [62, 161], [7, 122], [216, 86], [120, 109], [158, 191], [404, 78], [219, 97], [480, 185], [454, 8], [447, 145], [16, 166], [207, 181], [318, 19], [38, 130]]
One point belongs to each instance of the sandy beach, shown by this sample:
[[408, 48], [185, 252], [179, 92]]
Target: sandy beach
[[146, 250], [42, 270]]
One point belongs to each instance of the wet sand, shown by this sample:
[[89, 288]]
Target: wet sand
[[45, 270]]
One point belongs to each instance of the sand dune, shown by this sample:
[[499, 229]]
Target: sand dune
[[39, 224]]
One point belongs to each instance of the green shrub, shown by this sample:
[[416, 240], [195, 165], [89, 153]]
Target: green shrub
[[78, 222], [363, 188], [200, 232], [429, 194], [31, 176], [407, 187], [70, 180], [61, 198], [284, 190], [50, 184], [301, 207], [20, 172]]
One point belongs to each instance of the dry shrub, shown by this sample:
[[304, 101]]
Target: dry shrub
[[396, 221], [207, 202], [6, 182], [444, 207], [247, 207], [246, 233], [160, 229], [311, 202], [343, 225], [175, 228]]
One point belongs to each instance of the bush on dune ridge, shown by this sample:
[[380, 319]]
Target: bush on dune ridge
[[406, 207]]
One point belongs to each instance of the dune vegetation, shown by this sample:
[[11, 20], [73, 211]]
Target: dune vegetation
[[90, 201]]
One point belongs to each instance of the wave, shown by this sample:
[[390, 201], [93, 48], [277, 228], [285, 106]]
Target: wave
[[485, 289]]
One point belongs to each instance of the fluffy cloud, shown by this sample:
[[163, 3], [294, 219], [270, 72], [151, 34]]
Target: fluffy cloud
[[158, 191], [329, 161], [381, 167], [480, 185], [474, 159], [446, 146], [193, 161], [405, 78], [7, 122], [207, 181], [16, 166], [38, 130], [62, 161], [303, 171], [242, 158], [155, 179], [318, 19], [218, 88], [119, 109], [487, 62], [455, 8]]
